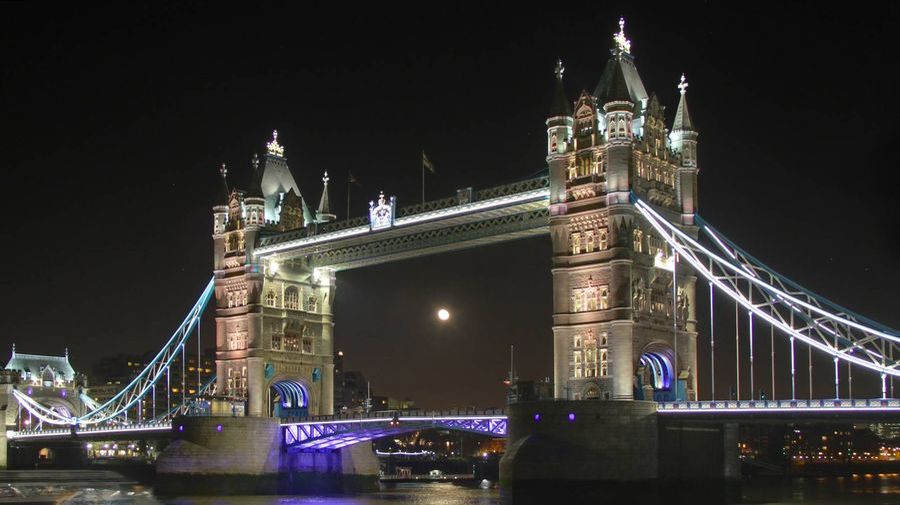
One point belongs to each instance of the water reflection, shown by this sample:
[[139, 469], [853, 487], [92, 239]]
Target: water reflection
[[869, 489]]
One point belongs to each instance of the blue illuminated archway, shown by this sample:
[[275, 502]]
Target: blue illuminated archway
[[291, 398]]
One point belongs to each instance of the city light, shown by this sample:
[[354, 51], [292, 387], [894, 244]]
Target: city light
[[443, 314]]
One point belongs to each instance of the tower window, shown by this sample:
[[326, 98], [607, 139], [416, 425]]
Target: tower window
[[576, 242], [292, 298], [270, 298], [589, 241], [638, 241], [603, 241]]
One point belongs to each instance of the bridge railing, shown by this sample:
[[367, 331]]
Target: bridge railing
[[94, 429], [763, 405], [390, 414]]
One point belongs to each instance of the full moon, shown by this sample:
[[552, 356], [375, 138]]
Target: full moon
[[443, 314]]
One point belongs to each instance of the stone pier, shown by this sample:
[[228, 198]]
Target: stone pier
[[246, 455], [615, 450]]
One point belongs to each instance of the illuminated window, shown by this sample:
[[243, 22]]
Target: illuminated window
[[604, 297], [312, 303], [603, 239], [270, 298], [590, 298], [307, 346], [572, 170], [576, 342], [292, 298], [576, 242], [638, 241], [589, 241]]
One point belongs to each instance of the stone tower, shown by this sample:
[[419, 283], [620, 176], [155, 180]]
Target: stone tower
[[621, 329], [273, 320]]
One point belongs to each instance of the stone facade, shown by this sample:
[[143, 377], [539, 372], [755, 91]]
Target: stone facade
[[621, 330], [273, 319]]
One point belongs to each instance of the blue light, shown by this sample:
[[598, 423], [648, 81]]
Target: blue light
[[537, 418], [180, 427]]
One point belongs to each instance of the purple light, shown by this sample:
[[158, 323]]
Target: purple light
[[219, 428], [180, 427], [30, 391], [64, 393], [537, 418], [571, 417]]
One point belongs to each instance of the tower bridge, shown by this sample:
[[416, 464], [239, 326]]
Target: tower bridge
[[629, 248]]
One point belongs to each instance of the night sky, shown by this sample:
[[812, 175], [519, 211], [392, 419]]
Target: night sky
[[114, 123]]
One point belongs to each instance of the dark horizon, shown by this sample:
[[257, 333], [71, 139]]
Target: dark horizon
[[116, 121]]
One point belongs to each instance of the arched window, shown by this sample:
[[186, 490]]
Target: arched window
[[576, 242], [312, 303], [270, 298], [603, 241], [604, 297], [292, 298]]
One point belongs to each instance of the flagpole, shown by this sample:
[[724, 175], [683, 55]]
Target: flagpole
[[349, 177], [423, 179]]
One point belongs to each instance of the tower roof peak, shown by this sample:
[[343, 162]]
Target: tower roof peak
[[682, 116], [273, 147], [560, 105], [683, 85], [623, 45]]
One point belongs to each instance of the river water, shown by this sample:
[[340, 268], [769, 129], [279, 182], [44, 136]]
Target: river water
[[864, 490]]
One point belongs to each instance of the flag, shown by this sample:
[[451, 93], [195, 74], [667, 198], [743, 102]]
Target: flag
[[427, 163], [351, 179]]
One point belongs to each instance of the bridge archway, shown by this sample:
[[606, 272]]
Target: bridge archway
[[288, 398], [656, 369]]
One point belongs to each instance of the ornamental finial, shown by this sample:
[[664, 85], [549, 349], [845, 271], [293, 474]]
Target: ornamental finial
[[223, 171], [683, 85], [623, 45], [274, 147], [14, 349], [325, 178], [559, 69], [254, 161]]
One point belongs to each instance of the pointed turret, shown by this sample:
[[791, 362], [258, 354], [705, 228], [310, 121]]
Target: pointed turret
[[559, 137], [683, 139], [559, 122], [220, 212], [255, 189], [323, 214], [560, 105], [223, 173], [682, 116]]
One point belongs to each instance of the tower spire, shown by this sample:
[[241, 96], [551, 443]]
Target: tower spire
[[273, 147], [223, 173], [560, 105], [623, 45], [323, 214], [682, 116]]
